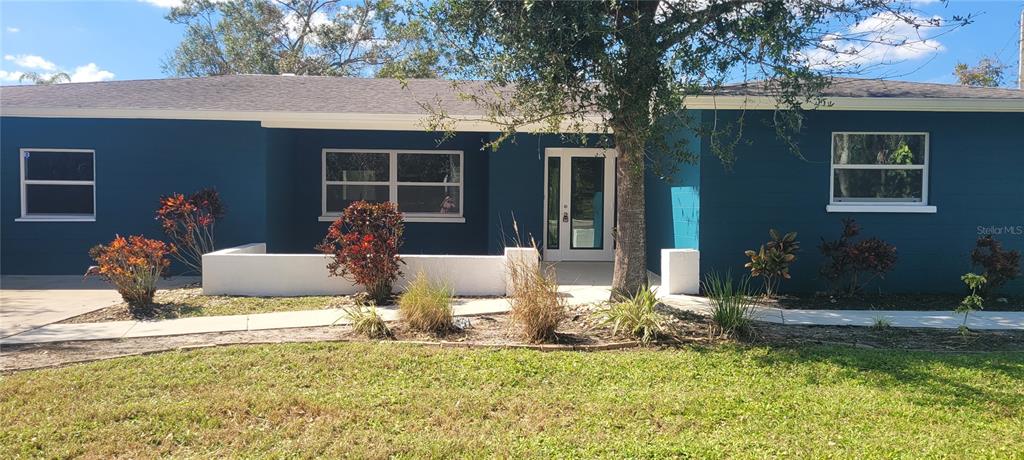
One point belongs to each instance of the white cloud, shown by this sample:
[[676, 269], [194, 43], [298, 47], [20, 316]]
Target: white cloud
[[13, 30], [31, 61], [90, 72], [883, 38], [46, 69], [163, 3], [293, 24], [10, 76]]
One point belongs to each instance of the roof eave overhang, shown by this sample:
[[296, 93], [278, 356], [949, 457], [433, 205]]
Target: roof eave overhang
[[890, 104], [304, 120], [470, 123]]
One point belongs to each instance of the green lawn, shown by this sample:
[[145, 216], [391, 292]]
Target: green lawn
[[381, 400], [190, 302], [201, 305]]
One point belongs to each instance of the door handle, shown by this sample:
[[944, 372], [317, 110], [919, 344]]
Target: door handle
[[565, 217]]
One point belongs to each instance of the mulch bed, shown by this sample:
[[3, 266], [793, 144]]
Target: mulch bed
[[921, 302], [578, 332]]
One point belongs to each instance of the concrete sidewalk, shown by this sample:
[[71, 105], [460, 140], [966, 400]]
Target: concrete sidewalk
[[28, 302], [203, 324], [995, 320], [580, 293]]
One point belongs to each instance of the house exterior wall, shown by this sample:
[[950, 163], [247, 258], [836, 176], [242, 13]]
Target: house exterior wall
[[976, 180], [516, 192], [269, 179], [294, 182], [136, 162], [270, 182]]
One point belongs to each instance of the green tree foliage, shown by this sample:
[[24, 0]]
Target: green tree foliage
[[988, 72], [304, 37], [627, 68], [40, 79]]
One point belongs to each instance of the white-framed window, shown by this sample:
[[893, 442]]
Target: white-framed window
[[58, 185], [426, 184], [879, 172]]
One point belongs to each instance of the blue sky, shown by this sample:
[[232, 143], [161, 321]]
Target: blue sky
[[129, 39]]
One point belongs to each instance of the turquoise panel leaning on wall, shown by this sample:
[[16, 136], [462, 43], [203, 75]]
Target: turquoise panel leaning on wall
[[673, 203]]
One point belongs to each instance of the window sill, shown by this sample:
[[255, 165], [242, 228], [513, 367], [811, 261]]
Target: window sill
[[436, 220], [908, 208], [55, 219]]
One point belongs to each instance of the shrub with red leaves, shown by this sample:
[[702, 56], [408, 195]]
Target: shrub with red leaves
[[1000, 265], [850, 266], [188, 220], [133, 266], [363, 245]]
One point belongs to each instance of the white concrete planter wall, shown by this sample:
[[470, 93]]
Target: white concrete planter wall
[[249, 270], [680, 271]]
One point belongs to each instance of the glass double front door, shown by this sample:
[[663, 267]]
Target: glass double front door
[[579, 204]]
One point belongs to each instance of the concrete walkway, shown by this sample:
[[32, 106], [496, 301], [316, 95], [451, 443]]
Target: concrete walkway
[[580, 290], [996, 320], [203, 324], [28, 302]]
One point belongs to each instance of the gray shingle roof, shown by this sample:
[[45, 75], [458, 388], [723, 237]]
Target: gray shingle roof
[[257, 93], [312, 94], [858, 87]]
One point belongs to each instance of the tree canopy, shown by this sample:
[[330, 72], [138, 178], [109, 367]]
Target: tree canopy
[[42, 79], [629, 67], [305, 37], [988, 72]]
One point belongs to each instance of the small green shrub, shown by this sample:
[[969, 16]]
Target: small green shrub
[[973, 301], [772, 261], [426, 306], [536, 306], [732, 306], [366, 322], [635, 315]]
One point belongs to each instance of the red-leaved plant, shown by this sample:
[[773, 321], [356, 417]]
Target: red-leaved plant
[[1000, 265], [850, 266], [363, 247], [188, 220], [133, 265]]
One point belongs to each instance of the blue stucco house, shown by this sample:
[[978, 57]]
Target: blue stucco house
[[926, 167]]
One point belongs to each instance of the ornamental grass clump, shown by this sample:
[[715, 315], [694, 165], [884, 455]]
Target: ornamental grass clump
[[635, 315], [363, 246], [732, 307], [189, 220], [426, 306], [133, 265], [366, 322], [536, 306]]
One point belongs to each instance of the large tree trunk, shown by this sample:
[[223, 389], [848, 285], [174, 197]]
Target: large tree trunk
[[631, 225]]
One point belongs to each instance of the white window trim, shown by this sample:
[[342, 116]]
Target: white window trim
[[26, 217], [880, 205], [393, 184]]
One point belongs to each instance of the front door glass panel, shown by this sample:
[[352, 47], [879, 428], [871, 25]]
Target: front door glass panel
[[554, 191], [586, 205]]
